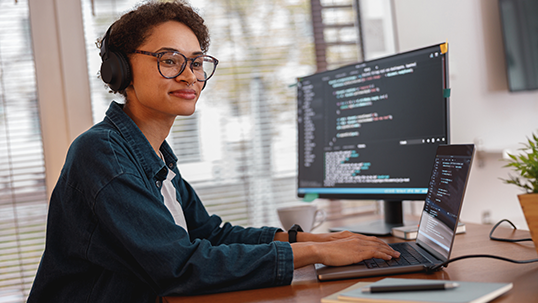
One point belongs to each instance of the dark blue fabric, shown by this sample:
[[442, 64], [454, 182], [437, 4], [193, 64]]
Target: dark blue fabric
[[110, 238]]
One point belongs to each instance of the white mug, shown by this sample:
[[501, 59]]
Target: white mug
[[306, 215]]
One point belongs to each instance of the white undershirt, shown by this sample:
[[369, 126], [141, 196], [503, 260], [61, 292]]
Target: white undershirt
[[169, 194]]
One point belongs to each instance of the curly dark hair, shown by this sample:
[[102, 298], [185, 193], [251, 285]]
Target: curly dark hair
[[133, 28]]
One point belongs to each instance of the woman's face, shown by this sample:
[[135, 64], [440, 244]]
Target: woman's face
[[151, 95]]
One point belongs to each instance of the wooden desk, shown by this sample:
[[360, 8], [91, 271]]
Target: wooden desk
[[306, 288]]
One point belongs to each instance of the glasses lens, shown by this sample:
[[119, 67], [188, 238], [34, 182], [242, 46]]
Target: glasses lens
[[171, 64], [203, 67]]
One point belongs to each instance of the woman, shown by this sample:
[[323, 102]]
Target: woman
[[123, 226]]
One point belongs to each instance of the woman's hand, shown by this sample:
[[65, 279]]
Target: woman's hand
[[342, 248]]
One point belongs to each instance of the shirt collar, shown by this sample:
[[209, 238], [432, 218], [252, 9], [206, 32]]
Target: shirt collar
[[150, 161]]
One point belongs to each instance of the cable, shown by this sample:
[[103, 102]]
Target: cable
[[504, 239], [437, 267]]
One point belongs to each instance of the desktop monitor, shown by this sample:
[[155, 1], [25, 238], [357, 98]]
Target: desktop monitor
[[370, 131]]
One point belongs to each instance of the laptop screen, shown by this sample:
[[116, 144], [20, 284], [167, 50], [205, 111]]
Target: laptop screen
[[444, 198]]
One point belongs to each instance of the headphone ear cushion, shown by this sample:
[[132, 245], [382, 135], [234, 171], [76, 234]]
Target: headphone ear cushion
[[115, 71]]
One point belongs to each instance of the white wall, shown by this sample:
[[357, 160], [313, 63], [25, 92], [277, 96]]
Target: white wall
[[483, 111]]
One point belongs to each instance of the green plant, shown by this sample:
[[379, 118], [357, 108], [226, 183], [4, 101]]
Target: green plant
[[526, 165]]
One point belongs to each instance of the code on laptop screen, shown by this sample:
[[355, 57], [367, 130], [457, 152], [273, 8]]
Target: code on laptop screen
[[444, 201]]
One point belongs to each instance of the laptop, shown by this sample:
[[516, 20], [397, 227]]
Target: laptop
[[437, 225]]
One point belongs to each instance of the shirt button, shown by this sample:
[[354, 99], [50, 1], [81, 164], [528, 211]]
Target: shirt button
[[171, 165], [158, 183]]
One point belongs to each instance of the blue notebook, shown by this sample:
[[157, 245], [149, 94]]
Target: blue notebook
[[466, 292]]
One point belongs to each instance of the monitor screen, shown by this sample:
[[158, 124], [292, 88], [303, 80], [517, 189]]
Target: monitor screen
[[370, 130]]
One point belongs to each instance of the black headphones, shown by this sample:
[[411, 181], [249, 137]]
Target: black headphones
[[115, 68]]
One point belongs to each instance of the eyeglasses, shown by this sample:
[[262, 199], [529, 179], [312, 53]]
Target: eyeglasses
[[171, 64]]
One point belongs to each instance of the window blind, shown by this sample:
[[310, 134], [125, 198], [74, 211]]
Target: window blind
[[239, 149], [23, 201]]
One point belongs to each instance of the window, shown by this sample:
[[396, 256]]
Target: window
[[238, 150], [23, 201]]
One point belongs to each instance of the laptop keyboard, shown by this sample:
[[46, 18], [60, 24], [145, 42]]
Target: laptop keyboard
[[408, 256]]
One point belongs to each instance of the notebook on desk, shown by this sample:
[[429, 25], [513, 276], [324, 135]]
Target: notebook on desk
[[437, 226]]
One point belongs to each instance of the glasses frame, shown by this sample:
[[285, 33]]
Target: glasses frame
[[160, 54]]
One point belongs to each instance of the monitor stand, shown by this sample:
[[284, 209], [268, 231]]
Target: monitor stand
[[393, 218]]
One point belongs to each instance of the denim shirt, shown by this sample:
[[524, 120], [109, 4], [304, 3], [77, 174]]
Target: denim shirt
[[110, 238]]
